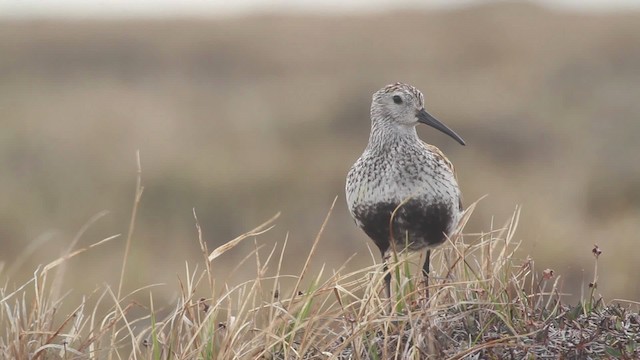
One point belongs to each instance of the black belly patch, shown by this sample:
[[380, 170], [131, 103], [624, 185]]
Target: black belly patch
[[415, 223]]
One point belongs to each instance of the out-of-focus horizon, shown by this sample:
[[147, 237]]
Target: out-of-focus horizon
[[224, 8], [244, 116]]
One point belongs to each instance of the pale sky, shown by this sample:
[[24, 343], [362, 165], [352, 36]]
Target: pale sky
[[213, 8]]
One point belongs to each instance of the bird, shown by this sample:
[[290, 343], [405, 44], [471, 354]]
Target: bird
[[402, 191]]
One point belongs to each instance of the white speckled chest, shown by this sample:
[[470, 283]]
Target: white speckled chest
[[396, 173]]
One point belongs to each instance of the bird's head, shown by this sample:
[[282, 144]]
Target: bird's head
[[403, 105]]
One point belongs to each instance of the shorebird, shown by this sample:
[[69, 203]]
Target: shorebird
[[401, 191]]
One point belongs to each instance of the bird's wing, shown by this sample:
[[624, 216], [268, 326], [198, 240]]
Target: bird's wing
[[440, 156]]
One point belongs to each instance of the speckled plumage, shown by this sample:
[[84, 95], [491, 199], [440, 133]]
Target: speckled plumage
[[401, 175]]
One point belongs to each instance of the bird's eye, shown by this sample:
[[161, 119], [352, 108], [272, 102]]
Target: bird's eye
[[397, 99]]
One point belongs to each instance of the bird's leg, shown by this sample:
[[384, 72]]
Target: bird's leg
[[425, 273], [387, 274], [387, 279]]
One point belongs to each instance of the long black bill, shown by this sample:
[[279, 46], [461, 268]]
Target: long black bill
[[425, 118]]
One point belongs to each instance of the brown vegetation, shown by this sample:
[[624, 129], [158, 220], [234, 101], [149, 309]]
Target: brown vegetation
[[484, 303]]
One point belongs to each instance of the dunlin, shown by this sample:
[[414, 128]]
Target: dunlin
[[403, 192]]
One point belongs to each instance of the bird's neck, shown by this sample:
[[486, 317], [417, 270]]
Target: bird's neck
[[385, 134]]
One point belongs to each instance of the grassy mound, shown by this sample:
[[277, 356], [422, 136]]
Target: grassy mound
[[484, 303]]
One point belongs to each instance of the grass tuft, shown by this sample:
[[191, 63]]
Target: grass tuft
[[484, 302]]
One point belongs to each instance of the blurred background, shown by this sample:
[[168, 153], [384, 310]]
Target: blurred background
[[241, 112]]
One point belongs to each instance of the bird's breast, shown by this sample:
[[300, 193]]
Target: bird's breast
[[391, 180]]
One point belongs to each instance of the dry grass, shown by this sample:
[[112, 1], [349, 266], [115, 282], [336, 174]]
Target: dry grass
[[484, 304]]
